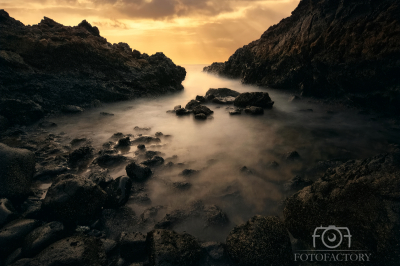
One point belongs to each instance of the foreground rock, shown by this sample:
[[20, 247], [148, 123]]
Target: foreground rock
[[169, 248], [339, 49], [17, 167], [74, 199], [221, 95], [360, 195], [73, 67], [260, 241], [138, 172], [71, 251]]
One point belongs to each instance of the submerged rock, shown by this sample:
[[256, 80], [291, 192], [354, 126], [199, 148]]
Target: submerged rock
[[260, 241], [17, 167], [254, 110]]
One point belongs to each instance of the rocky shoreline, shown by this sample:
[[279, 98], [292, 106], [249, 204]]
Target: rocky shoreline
[[48, 68], [338, 50]]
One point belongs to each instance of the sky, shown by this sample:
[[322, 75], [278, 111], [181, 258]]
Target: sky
[[187, 31]]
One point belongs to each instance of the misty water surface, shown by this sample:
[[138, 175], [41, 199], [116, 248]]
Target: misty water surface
[[221, 146]]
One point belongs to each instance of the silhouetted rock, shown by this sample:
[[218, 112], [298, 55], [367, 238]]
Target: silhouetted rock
[[260, 241], [221, 95], [16, 171], [154, 161], [192, 104], [257, 99], [201, 109], [74, 199], [181, 111], [336, 49], [49, 67], [200, 116], [200, 98], [109, 160]]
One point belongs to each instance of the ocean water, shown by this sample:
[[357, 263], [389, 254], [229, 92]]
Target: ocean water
[[219, 147]]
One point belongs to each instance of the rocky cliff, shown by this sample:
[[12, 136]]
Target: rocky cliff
[[47, 66], [347, 49]]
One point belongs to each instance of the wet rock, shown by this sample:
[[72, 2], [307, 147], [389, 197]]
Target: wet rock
[[138, 172], [215, 217], [17, 167], [189, 172], [292, 156], [118, 192], [260, 241], [124, 142], [117, 136], [222, 93], [153, 162], [100, 177], [133, 247], [42, 237], [182, 186], [257, 99], [141, 147], [177, 107], [170, 248], [225, 100], [80, 156], [22, 112], [71, 109], [361, 195], [72, 251], [146, 140], [115, 221], [159, 134], [151, 154], [7, 212], [192, 104], [12, 235], [200, 116], [74, 199], [106, 114], [109, 161], [182, 111], [200, 99], [201, 109], [31, 209], [254, 110]]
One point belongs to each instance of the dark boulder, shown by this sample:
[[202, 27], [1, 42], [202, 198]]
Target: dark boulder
[[93, 30], [153, 162], [200, 99], [138, 172], [7, 212], [201, 109], [116, 221], [17, 167], [133, 247], [21, 112], [80, 156], [189, 172], [146, 140], [124, 142], [42, 237], [100, 177], [71, 251], [72, 109], [260, 241], [192, 104], [258, 99], [169, 248], [109, 160], [222, 93], [118, 192], [74, 200], [13, 234], [362, 196]]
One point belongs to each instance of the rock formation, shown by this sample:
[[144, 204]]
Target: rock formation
[[344, 49], [49, 66]]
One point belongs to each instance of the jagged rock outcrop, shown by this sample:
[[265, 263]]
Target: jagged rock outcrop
[[47, 66], [344, 49]]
